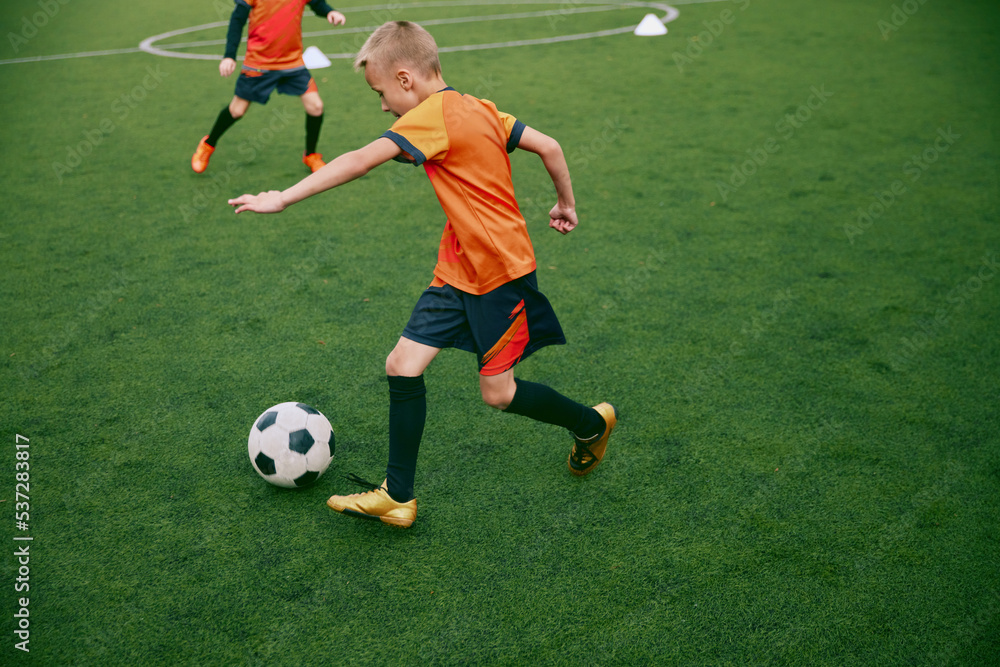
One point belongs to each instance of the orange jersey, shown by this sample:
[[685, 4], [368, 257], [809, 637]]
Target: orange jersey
[[274, 39], [462, 143]]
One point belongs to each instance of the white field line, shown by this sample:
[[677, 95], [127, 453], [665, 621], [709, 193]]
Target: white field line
[[148, 45]]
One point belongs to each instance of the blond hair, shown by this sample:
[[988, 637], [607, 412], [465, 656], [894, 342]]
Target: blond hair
[[400, 43]]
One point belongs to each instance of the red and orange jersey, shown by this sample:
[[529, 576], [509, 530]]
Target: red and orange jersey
[[274, 39], [462, 143]]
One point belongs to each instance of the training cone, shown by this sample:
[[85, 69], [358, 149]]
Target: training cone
[[650, 26], [314, 58]]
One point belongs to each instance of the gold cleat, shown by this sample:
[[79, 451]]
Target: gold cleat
[[375, 504], [586, 454]]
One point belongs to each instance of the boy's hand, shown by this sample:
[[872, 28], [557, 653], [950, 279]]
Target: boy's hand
[[227, 66], [265, 202], [336, 18], [563, 218]]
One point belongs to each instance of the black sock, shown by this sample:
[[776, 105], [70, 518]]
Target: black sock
[[407, 414], [313, 125], [222, 123], [545, 404]]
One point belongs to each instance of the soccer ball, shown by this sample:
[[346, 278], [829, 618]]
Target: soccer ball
[[291, 445]]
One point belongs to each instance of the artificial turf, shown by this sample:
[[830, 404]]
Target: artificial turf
[[785, 278]]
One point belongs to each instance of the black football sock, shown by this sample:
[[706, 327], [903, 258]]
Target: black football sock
[[222, 123], [407, 414], [545, 404], [313, 125]]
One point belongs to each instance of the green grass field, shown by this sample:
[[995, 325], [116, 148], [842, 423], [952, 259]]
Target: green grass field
[[786, 278]]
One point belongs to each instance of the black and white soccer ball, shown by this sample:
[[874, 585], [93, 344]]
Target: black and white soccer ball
[[291, 445]]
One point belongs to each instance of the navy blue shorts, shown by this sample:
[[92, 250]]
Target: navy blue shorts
[[501, 327], [256, 85]]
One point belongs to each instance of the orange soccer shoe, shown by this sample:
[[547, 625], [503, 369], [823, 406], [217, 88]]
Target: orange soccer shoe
[[586, 454], [199, 161], [314, 161], [375, 504]]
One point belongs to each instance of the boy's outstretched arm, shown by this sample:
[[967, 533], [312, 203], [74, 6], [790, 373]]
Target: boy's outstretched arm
[[343, 169], [562, 217]]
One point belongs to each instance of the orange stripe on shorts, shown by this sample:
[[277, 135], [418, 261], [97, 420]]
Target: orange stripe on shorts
[[508, 350]]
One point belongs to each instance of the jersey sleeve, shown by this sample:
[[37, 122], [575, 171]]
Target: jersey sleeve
[[514, 128], [320, 7], [421, 134], [237, 21]]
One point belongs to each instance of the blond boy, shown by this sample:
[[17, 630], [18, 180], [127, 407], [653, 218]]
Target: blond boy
[[484, 296]]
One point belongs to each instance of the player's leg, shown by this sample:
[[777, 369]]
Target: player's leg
[[235, 110], [591, 427], [392, 502], [510, 323], [314, 123], [541, 403], [252, 85], [301, 83], [404, 369], [226, 118], [313, 104], [438, 320]]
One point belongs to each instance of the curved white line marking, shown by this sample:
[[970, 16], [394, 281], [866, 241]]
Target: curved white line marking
[[149, 45]]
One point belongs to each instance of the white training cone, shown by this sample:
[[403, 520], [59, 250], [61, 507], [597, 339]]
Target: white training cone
[[650, 26], [315, 59]]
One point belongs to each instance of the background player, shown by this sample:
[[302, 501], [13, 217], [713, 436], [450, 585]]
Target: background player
[[484, 297], [273, 60]]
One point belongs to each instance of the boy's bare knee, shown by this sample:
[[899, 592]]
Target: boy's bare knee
[[313, 104], [498, 390], [496, 396], [398, 364], [409, 358], [237, 108], [495, 401]]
